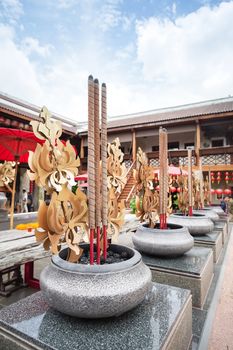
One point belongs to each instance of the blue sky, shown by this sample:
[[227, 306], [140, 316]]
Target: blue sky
[[150, 53]]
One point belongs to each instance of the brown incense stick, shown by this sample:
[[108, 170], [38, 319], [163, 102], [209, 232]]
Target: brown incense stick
[[104, 155], [91, 154], [201, 183], [104, 167], [160, 177], [91, 166], [190, 182], [97, 153]]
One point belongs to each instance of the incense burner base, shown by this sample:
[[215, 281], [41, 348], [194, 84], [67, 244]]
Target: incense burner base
[[198, 224], [173, 241], [96, 291], [211, 214]]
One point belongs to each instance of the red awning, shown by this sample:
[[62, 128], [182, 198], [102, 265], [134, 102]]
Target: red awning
[[173, 170], [82, 177], [15, 144]]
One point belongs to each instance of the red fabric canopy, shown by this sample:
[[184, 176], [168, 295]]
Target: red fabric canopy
[[15, 144], [173, 170], [82, 177]]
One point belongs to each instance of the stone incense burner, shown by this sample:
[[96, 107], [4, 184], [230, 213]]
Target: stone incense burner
[[173, 241], [197, 224], [96, 291]]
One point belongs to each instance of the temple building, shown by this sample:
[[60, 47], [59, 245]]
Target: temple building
[[206, 127]]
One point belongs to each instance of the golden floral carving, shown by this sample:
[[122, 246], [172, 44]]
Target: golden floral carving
[[116, 179], [183, 200], [115, 166], [53, 166], [7, 173], [147, 198]]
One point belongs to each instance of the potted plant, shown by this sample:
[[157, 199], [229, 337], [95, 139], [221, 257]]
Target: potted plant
[[155, 236], [86, 277]]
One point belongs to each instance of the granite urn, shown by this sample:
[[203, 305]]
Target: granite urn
[[197, 224], [173, 241], [210, 213], [96, 291]]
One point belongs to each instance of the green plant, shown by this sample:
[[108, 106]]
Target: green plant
[[132, 205]]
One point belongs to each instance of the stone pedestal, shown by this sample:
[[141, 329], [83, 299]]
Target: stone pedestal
[[221, 225], [162, 321], [212, 240], [193, 270], [3, 210]]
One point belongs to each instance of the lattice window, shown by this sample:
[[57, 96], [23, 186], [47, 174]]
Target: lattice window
[[183, 161], [215, 159], [128, 163], [154, 162]]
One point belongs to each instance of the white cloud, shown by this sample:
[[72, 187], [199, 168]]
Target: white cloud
[[190, 58], [66, 4], [17, 73], [11, 10], [179, 61], [31, 45]]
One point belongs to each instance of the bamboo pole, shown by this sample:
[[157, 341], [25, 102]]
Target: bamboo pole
[[104, 167], [190, 183], [13, 198], [91, 166]]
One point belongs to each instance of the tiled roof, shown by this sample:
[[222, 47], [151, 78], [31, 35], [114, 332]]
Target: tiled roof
[[174, 113], [25, 109]]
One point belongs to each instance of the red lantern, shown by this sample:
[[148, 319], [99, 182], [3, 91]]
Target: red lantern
[[178, 189], [227, 191], [219, 191], [212, 173], [226, 177], [172, 189]]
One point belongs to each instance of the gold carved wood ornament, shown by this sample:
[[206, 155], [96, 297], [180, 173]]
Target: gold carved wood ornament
[[53, 166]]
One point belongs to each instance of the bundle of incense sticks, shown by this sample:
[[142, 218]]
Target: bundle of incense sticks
[[190, 183], [163, 177], [95, 200]]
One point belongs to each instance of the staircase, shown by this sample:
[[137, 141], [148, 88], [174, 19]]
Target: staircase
[[129, 188]]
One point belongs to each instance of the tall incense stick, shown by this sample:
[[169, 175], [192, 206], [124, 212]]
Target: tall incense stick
[[190, 183], [161, 193], [97, 167], [91, 166], [201, 183], [163, 177], [210, 187], [104, 166]]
